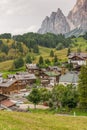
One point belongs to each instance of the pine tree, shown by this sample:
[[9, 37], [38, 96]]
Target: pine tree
[[83, 87], [36, 49], [28, 59], [18, 62], [51, 53], [47, 61], [68, 51], [55, 60], [41, 61]]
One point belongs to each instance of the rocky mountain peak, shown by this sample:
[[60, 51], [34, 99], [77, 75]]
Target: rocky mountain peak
[[47, 18], [59, 11], [80, 4], [78, 15], [56, 23]]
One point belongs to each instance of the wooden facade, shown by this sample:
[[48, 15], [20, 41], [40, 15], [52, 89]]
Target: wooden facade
[[12, 88], [32, 68], [49, 77], [16, 83], [77, 58]]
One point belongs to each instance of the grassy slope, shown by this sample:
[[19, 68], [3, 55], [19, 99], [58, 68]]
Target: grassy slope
[[29, 121], [80, 42], [6, 65], [45, 52], [62, 54]]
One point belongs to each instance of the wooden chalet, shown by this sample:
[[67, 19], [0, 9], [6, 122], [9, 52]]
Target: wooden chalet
[[9, 86], [14, 83], [25, 78], [49, 77], [77, 58], [54, 68], [45, 82], [32, 68], [5, 102]]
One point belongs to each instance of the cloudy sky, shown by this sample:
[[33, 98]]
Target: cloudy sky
[[20, 16]]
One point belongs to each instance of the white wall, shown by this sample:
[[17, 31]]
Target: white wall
[[79, 62], [67, 83]]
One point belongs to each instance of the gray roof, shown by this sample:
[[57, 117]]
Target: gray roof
[[69, 77], [7, 83], [81, 55], [52, 73], [25, 77], [22, 73], [31, 66], [22, 76]]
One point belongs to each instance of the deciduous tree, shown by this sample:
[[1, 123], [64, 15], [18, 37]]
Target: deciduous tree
[[35, 96]]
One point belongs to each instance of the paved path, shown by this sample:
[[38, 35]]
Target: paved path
[[25, 106]]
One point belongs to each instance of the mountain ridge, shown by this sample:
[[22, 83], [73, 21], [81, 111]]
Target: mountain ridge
[[59, 23], [56, 23]]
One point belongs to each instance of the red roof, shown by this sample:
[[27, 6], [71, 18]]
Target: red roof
[[7, 103]]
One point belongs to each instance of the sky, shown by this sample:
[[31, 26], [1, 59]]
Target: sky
[[21, 16]]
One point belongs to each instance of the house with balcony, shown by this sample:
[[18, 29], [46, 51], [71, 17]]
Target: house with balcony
[[77, 59], [16, 82]]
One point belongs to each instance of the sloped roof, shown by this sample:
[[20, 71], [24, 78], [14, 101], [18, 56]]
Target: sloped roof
[[7, 103], [25, 77], [7, 83], [52, 74], [80, 55], [22, 73], [22, 76], [69, 77]]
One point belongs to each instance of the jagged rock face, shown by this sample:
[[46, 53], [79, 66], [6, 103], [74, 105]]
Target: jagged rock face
[[76, 20], [78, 16], [56, 23]]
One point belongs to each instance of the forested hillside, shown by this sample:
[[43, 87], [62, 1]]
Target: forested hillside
[[47, 40], [10, 49], [33, 45]]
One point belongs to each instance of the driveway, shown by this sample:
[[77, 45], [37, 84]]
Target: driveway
[[25, 106]]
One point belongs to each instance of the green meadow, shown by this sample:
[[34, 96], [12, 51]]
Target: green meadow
[[35, 121]]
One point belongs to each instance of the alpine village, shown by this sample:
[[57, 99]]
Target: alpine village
[[43, 75]]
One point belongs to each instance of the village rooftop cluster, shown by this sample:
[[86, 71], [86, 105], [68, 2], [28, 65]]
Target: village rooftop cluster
[[49, 77]]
